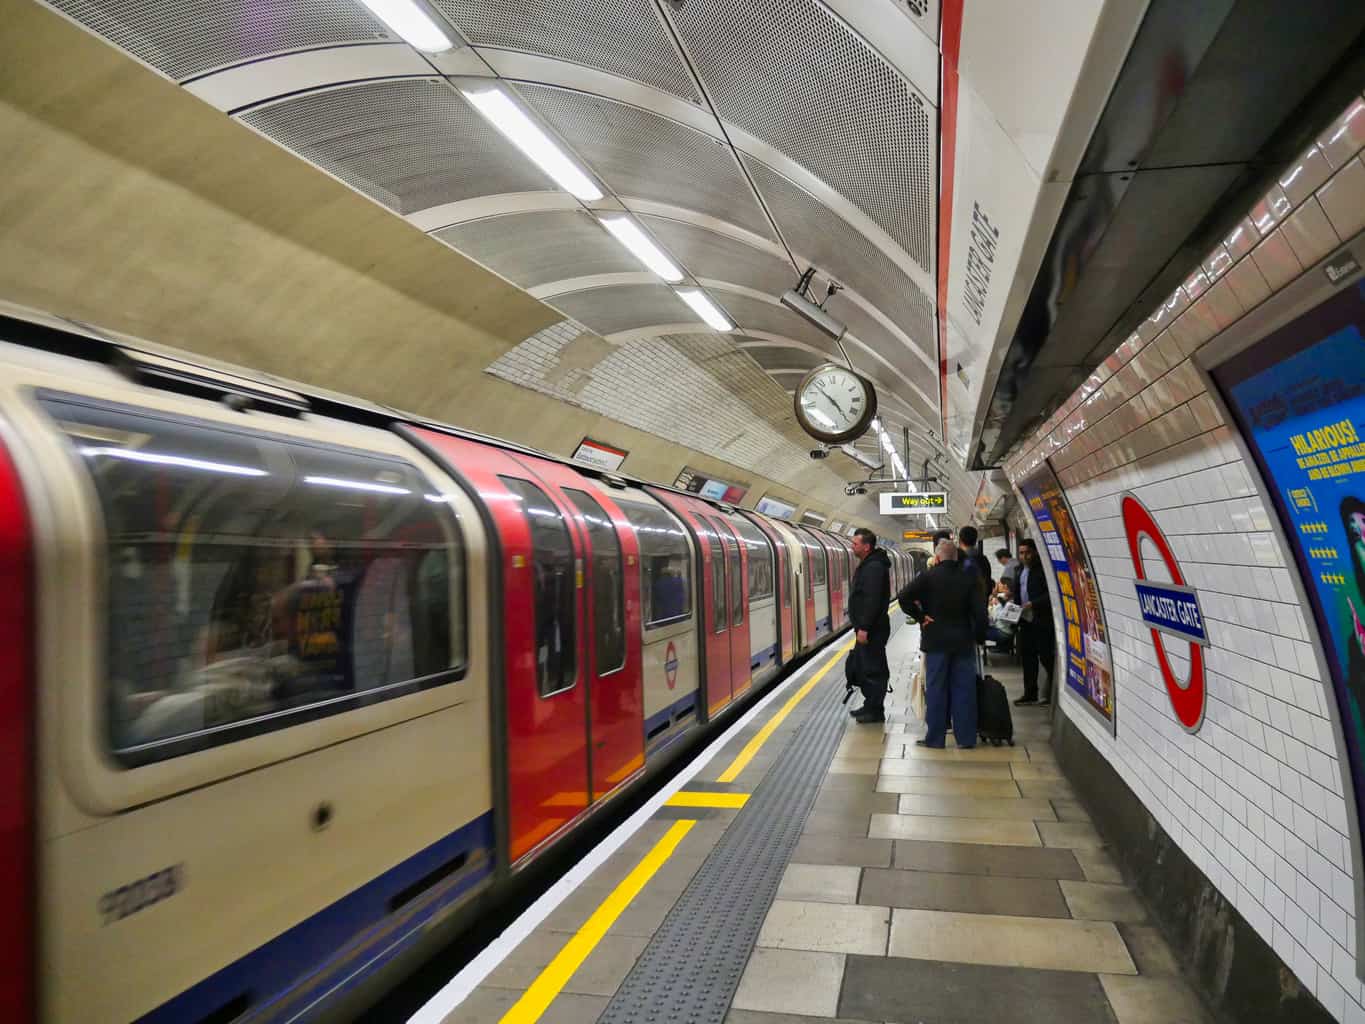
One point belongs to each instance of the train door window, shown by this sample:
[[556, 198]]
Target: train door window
[[608, 592], [253, 581], [817, 556], [665, 564], [719, 616], [760, 561], [556, 587], [735, 566]]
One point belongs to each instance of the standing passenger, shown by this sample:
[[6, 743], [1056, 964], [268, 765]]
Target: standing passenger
[[1036, 641], [948, 605], [868, 611]]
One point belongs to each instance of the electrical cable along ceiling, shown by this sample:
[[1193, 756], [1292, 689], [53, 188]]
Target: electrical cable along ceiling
[[743, 139]]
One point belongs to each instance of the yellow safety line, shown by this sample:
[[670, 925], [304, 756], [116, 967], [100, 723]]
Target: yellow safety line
[[752, 747], [544, 990], [692, 798]]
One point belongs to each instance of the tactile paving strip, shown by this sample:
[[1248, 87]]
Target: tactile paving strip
[[691, 968]]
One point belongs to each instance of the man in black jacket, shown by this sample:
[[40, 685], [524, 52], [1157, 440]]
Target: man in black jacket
[[951, 610], [1037, 644], [868, 602]]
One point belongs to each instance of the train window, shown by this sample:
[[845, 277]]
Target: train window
[[665, 564], [556, 587], [255, 581], [760, 561], [608, 596]]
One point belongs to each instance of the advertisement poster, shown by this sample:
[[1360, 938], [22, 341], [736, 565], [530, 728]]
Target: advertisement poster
[[1299, 398], [1084, 658]]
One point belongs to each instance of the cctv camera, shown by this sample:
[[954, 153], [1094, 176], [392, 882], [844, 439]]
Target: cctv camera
[[819, 453], [798, 303]]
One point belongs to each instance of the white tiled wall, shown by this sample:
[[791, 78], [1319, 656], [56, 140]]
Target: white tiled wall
[[1255, 798]]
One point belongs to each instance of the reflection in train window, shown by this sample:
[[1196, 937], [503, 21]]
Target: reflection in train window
[[608, 596], [760, 561], [735, 564], [719, 617], [255, 581], [817, 557], [556, 594], [665, 564]]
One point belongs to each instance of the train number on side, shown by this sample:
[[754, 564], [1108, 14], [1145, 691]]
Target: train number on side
[[127, 900]]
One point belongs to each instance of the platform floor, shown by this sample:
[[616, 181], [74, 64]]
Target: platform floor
[[925, 886]]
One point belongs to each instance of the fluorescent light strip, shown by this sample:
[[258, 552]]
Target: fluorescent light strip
[[507, 117], [628, 233], [408, 20], [705, 308], [354, 485], [174, 460]]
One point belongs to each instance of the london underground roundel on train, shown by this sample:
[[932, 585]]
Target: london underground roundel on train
[[1171, 609]]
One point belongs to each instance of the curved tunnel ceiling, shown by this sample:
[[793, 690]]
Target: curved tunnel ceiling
[[750, 138]]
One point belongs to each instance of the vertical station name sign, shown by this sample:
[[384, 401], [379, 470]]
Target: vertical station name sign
[[1088, 672]]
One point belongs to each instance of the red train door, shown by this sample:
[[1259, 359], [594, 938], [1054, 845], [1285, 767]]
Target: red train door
[[786, 641], [715, 591], [543, 750], [737, 570], [611, 653]]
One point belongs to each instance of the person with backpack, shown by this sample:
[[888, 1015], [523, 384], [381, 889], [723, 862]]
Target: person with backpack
[[950, 608]]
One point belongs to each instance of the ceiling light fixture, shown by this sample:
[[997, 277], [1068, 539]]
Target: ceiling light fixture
[[705, 308], [641, 246], [409, 20], [507, 117]]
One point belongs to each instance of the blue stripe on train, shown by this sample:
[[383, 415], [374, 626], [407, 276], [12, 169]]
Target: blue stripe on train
[[333, 948], [665, 717], [767, 654]]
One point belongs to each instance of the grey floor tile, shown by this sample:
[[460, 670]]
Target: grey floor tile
[[819, 883], [826, 927], [643, 917], [1047, 789], [1006, 941], [920, 785], [1098, 866], [837, 823], [1070, 835], [1149, 949], [1096, 901], [968, 894], [599, 975], [847, 850], [956, 830], [855, 803], [1016, 808], [943, 769], [972, 859], [1070, 810], [935, 992], [849, 782], [791, 981], [755, 1017], [1154, 1001], [488, 1005]]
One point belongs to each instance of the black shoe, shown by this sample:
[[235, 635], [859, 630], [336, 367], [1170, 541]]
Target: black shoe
[[855, 712], [1025, 700], [864, 717], [1044, 702], [931, 746]]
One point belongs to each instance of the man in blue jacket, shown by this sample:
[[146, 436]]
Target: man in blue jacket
[[868, 604]]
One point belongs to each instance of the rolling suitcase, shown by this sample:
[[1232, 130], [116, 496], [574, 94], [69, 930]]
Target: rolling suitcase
[[994, 723]]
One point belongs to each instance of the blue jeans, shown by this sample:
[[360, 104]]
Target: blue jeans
[[950, 680]]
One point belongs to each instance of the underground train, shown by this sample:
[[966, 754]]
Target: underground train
[[289, 683]]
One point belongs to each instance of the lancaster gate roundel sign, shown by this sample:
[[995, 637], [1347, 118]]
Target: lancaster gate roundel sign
[[671, 665], [1169, 608]]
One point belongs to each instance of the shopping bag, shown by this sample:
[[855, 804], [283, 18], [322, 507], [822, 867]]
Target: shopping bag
[[917, 691]]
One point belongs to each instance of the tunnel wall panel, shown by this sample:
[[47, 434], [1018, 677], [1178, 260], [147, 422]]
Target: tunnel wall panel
[[1241, 832]]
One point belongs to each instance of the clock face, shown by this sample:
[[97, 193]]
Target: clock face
[[834, 404]]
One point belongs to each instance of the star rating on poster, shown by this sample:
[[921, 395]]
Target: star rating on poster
[[1312, 528], [1326, 554], [1332, 579]]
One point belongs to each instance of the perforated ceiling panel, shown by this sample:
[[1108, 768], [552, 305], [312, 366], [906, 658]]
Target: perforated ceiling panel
[[870, 332], [409, 144], [708, 254], [754, 315], [817, 234], [623, 307], [773, 356], [532, 249], [793, 74], [625, 39], [185, 38], [646, 156]]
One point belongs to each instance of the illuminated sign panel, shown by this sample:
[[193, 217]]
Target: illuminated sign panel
[[894, 504], [599, 455]]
